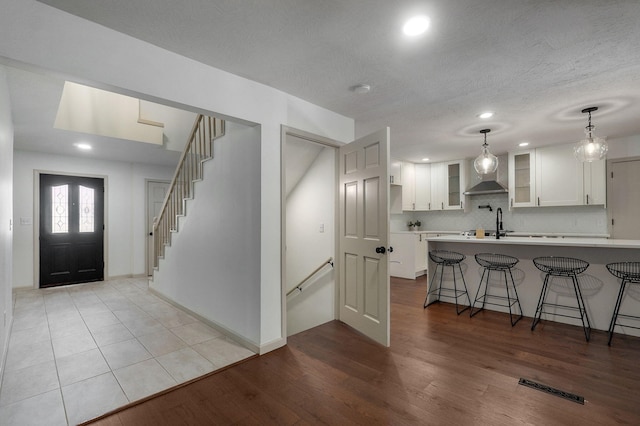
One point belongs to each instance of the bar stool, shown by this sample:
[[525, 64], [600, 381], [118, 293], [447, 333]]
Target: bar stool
[[562, 267], [499, 263], [629, 272], [444, 258]]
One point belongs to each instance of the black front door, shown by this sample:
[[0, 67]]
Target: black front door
[[71, 229]]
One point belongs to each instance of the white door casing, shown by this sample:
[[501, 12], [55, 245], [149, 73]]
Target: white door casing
[[156, 192], [364, 227]]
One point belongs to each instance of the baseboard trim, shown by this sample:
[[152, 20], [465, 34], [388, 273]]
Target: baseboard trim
[[252, 346], [273, 345]]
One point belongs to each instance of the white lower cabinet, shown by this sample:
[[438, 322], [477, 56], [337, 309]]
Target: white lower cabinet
[[409, 256]]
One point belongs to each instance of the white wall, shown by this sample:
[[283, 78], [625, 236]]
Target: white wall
[[212, 266], [6, 215], [310, 204], [124, 209], [624, 147], [39, 35]]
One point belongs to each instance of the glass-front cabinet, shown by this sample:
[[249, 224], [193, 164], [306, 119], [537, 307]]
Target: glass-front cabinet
[[455, 181], [522, 168]]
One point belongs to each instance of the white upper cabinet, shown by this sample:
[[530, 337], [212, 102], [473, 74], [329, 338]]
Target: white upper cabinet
[[595, 183], [551, 176], [455, 173], [559, 177], [408, 186], [522, 179], [395, 172], [437, 186], [423, 187]]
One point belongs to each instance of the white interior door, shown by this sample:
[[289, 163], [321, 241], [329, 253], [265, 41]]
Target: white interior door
[[364, 235], [156, 191], [624, 205]]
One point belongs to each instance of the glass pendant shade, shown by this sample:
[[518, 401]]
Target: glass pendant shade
[[592, 147], [486, 162]]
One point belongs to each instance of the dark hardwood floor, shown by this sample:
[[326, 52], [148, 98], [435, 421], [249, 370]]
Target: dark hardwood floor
[[441, 369]]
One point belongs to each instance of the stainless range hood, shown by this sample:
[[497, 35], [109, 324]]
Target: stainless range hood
[[489, 183], [487, 187]]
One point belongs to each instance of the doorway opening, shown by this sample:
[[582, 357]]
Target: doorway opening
[[71, 229], [156, 193], [309, 211]]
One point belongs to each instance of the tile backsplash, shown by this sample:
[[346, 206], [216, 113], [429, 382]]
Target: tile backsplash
[[570, 220]]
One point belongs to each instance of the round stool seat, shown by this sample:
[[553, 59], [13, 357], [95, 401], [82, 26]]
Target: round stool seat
[[629, 271], [446, 257], [496, 261], [560, 265]]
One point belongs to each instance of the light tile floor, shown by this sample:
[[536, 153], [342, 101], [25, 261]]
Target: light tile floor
[[79, 351]]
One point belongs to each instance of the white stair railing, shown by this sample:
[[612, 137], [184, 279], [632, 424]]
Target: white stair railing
[[199, 148]]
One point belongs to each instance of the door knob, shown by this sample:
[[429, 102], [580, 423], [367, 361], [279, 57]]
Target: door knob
[[381, 250]]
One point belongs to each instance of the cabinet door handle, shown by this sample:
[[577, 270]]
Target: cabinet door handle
[[429, 205], [587, 198], [538, 200], [512, 202], [460, 203], [442, 205], [414, 206]]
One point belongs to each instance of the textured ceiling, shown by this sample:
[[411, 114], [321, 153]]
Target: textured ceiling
[[535, 63]]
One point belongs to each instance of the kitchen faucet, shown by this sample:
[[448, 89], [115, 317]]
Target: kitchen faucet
[[498, 222]]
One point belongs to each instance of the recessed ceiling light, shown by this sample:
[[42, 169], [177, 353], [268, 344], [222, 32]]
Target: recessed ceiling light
[[486, 115], [425, 159], [523, 144], [361, 89], [416, 25], [82, 146]]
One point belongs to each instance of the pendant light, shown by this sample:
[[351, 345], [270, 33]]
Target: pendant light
[[486, 161], [591, 148]]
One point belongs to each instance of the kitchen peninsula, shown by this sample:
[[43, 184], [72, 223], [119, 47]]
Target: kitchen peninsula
[[599, 287]]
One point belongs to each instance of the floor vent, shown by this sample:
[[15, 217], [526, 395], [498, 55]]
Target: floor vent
[[553, 391]]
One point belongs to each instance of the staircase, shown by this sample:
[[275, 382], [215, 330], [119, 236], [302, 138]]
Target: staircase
[[199, 149]]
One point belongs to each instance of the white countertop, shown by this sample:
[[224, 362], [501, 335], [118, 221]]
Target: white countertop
[[426, 231], [543, 241]]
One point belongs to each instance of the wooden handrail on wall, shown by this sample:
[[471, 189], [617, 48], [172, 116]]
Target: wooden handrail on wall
[[199, 148], [299, 286]]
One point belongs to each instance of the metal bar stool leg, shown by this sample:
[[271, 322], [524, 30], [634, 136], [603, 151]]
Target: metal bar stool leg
[[582, 308], [543, 295], [515, 292], [506, 285], [430, 288], [440, 285], [464, 284], [614, 318], [472, 313]]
